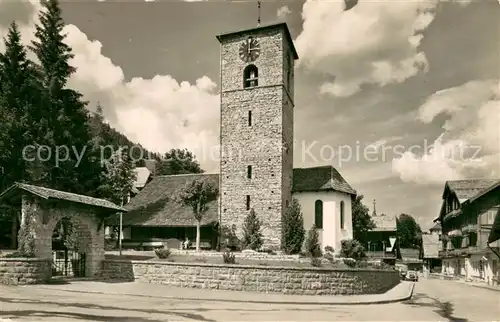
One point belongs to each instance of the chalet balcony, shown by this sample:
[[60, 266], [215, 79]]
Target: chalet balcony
[[469, 228], [453, 252], [455, 233]]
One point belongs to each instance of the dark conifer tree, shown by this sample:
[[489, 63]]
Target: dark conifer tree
[[19, 109], [68, 118]]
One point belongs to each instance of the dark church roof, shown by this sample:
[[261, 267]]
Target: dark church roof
[[324, 178], [158, 203]]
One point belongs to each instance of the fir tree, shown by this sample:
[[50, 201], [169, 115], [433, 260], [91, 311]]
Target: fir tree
[[293, 232], [313, 248], [65, 110], [252, 236], [19, 108]]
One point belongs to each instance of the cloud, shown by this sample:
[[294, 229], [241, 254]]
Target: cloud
[[376, 42], [383, 141], [469, 146], [283, 12], [160, 113]]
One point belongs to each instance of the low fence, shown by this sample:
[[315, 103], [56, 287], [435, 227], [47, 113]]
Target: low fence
[[268, 279], [21, 271]]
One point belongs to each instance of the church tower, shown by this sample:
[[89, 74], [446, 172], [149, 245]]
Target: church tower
[[256, 168]]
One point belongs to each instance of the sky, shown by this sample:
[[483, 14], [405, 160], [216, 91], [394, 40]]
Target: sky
[[398, 95]]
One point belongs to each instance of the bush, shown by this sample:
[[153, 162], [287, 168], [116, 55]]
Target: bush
[[329, 257], [292, 231], [329, 249], [18, 254], [350, 262], [352, 248], [229, 258], [329, 254], [383, 266], [229, 239], [163, 253], [316, 262], [363, 264], [252, 236], [313, 249]]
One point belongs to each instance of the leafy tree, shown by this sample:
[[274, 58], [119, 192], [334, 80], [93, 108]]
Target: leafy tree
[[313, 248], [408, 231], [252, 235], [119, 178], [292, 229], [361, 220], [198, 195], [352, 248], [179, 161]]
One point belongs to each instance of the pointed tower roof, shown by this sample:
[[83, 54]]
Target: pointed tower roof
[[374, 213]]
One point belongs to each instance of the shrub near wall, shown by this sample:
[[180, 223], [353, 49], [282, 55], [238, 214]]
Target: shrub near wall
[[285, 280], [21, 271]]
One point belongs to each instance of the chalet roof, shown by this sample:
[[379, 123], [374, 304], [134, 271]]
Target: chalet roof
[[431, 245], [158, 204], [465, 189], [322, 178], [151, 165], [384, 223], [142, 176], [436, 227], [47, 193], [468, 191], [495, 229], [485, 191]]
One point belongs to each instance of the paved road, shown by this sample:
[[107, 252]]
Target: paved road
[[36, 304], [457, 301]]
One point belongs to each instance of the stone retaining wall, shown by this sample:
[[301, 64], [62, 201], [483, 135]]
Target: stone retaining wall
[[20, 271], [285, 280]]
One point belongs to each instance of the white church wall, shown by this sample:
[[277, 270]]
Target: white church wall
[[331, 234]]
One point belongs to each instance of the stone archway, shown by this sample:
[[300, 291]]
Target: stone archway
[[48, 213], [71, 247], [43, 208]]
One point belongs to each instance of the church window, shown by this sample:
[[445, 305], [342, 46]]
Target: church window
[[342, 214], [318, 214], [248, 202], [249, 118], [287, 203], [249, 172], [250, 76]]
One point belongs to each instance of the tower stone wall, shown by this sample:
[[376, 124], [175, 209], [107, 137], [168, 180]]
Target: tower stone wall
[[265, 144]]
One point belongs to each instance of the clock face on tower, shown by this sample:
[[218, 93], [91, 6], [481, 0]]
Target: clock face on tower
[[249, 50]]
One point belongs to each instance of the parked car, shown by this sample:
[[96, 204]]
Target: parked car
[[403, 269], [411, 276]]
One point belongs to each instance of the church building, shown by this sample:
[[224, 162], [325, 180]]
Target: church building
[[256, 162]]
